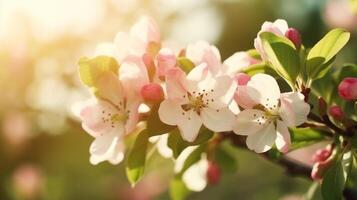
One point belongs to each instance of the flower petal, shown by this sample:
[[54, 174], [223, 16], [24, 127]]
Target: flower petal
[[189, 125], [169, 112], [282, 140], [264, 89], [293, 109], [218, 120], [247, 122], [237, 62], [146, 30], [195, 177], [176, 85], [110, 88], [263, 140], [242, 97], [202, 52], [223, 91], [107, 147]]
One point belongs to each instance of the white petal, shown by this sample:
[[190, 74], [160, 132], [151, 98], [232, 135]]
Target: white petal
[[146, 30], [282, 141], [189, 125], [218, 120], [127, 45], [264, 89], [237, 62], [132, 108], [293, 109], [176, 85], [108, 147], [282, 25], [263, 140], [198, 73], [195, 177], [162, 147], [180, 161], [169, 112], [247, 122], [223, 91]]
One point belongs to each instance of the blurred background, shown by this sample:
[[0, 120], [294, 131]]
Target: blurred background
[[43, 150]]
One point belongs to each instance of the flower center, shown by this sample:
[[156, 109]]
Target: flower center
[[197, 101]]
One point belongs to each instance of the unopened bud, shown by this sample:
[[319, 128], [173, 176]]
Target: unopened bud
[[294, 36], [166, 59], [152, 93], [323, 159], [322, 154], [322, 106], [242, 78], [336, 112], [213, 173], [348, 88]]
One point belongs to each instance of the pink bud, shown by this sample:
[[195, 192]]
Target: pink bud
[[336, 112], [166, 59], [242, 78], [323, 159], [213, 173], [152, 93], [294, 36], [348, 88], [322, 154]]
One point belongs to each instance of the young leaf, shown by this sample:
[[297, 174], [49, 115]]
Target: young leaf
[[301, 137], [282, 55], [322, 54], [91, 69], [178, 189], [154, 125], [334, 181], [135, 164], [185, 64], [177, 144], [259, 68]]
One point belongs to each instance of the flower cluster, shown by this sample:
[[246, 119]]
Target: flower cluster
[[189, 97]]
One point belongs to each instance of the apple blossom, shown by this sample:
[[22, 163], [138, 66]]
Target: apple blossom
[[267, 122], [196, 99], [278, 27], [348, 88], [235, 63]]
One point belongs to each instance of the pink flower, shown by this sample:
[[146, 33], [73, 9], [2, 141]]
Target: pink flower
[[323, 160], [166, 60], [235, 63], [196, 99], [348, 88], [278, 27], [267, 122]]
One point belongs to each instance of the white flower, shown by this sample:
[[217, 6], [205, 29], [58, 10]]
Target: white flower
[[268, 121], [197, 99]]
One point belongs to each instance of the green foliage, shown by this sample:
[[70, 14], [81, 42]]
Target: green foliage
[[259, 68], [91, 69], [282, 55], [178, 144], [322, 55], [334, 181], [135, 164], [185, 64], [226, 161], [154, 125], [178, 189], [301, 137], [254, 54]]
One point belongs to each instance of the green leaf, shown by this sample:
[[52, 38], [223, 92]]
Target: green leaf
[[301, 137], [178, 189], [259, 68], [185, 64], [322, 54], [135, 164], [177, 144], [226, 161], [282, 55], [254, 54], [154, 125], [91, 69], [334, 181]]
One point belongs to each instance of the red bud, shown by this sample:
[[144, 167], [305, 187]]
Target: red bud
[[152, 93], [336, 112], [213, 173], [348, 88], [294, 36]]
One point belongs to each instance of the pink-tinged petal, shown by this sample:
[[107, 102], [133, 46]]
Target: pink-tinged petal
[[222, 92], [249, 121], [96, 117], [176, 85], [203, 52], [263, 140], [264, 89], [283, 140], [189, 125], [198, 73], [108, 147], [293, 109], [237, 62], [110, 88], [133, 75], [218, 120], [169, 112], [242, 79], [132, 109], [166, 59], [127, 45], [146, 30], [242, 97]]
